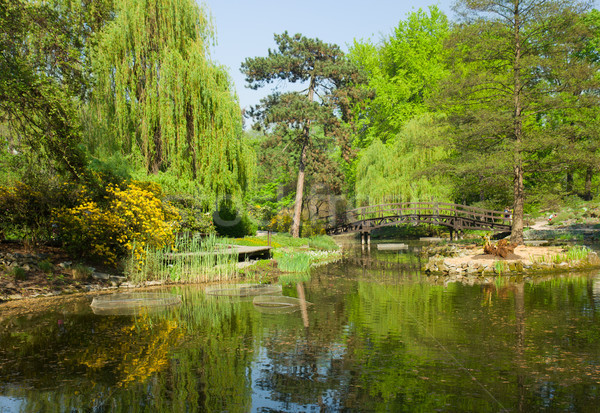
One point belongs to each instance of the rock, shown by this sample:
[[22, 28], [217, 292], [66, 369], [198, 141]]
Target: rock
[[100, 276], [593, 258], [117, 278]]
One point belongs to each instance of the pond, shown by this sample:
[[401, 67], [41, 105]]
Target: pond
[[379, 336]]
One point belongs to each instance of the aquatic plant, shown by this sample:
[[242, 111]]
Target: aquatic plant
[[193, 259], [500, 267]]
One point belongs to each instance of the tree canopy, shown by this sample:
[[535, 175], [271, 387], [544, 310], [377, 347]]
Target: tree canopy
[[162, 102]]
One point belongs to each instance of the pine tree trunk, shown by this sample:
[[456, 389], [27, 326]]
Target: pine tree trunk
[[300, 184], [300, 188], [589, 173]]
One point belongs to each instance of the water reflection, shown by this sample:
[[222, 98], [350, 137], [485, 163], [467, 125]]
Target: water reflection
[[378, 337]]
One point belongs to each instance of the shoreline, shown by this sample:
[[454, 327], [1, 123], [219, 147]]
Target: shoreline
[[526, 259]]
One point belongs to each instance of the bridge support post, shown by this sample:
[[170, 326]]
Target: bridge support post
[[365, 238]]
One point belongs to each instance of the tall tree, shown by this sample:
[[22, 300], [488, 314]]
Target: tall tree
[[403, 71], [327, 75], [500, 47], [40, 80], [163, 103]]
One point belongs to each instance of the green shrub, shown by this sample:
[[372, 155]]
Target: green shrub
[[81, 272], [18, 273], [46, 266], [193, 218], [229, 223]]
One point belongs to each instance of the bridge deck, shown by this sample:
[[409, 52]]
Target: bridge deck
[[454, 216]]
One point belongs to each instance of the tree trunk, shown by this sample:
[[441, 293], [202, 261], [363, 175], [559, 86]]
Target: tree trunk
[[300, 187], [189, 122], [516, 235], [569, 186], [519, 192], [589, 173], [156, 156], [300, 184]]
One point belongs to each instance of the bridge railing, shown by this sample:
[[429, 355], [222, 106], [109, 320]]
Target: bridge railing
[[436, 209]]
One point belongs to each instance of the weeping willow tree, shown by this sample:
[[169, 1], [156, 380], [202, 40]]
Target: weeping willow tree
[[401, 170], [161, 103]]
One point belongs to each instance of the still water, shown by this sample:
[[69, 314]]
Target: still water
[[378, 337]]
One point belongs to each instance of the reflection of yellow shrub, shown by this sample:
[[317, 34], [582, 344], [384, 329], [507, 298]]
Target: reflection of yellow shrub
[[131, 220]]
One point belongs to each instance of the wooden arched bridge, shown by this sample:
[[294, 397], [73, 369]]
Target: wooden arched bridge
[[454, 216]]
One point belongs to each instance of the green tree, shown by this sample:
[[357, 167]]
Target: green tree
[[39, 81], [328, 75], [396, 171], [402, 72], [162, 103], [500, 48]]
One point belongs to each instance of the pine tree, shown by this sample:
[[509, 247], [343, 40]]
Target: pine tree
[[328, 76]]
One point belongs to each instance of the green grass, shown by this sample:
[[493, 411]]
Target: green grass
[[18, 273], [295, 262]]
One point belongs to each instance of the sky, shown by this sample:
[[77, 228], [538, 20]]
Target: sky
[[245, 28]]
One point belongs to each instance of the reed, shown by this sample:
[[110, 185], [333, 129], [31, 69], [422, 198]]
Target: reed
[[187, 260]]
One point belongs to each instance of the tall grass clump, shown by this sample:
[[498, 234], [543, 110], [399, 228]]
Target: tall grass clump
[[193, 259], [293, 261], [500, 267]]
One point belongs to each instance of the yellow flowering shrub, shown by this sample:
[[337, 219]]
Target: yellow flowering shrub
[[129, 221]]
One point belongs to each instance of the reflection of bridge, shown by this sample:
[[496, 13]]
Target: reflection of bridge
[[456, 217]]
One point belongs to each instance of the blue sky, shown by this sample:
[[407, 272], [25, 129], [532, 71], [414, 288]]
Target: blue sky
[[246, 28]]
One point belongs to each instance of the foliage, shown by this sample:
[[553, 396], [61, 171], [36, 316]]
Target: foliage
[[26, 209], [397, 171], [127, 221], [403, 71], [39, 82], [18, 273], [193, 217], [281, 222], [229, 222], [506, 76], [162, 102]]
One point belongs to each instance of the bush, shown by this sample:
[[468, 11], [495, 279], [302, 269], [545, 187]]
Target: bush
[[230, 224], [129, 220], [25, 210], [281, 222], [193, 218]]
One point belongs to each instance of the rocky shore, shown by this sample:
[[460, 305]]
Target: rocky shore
[[457, 261]]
